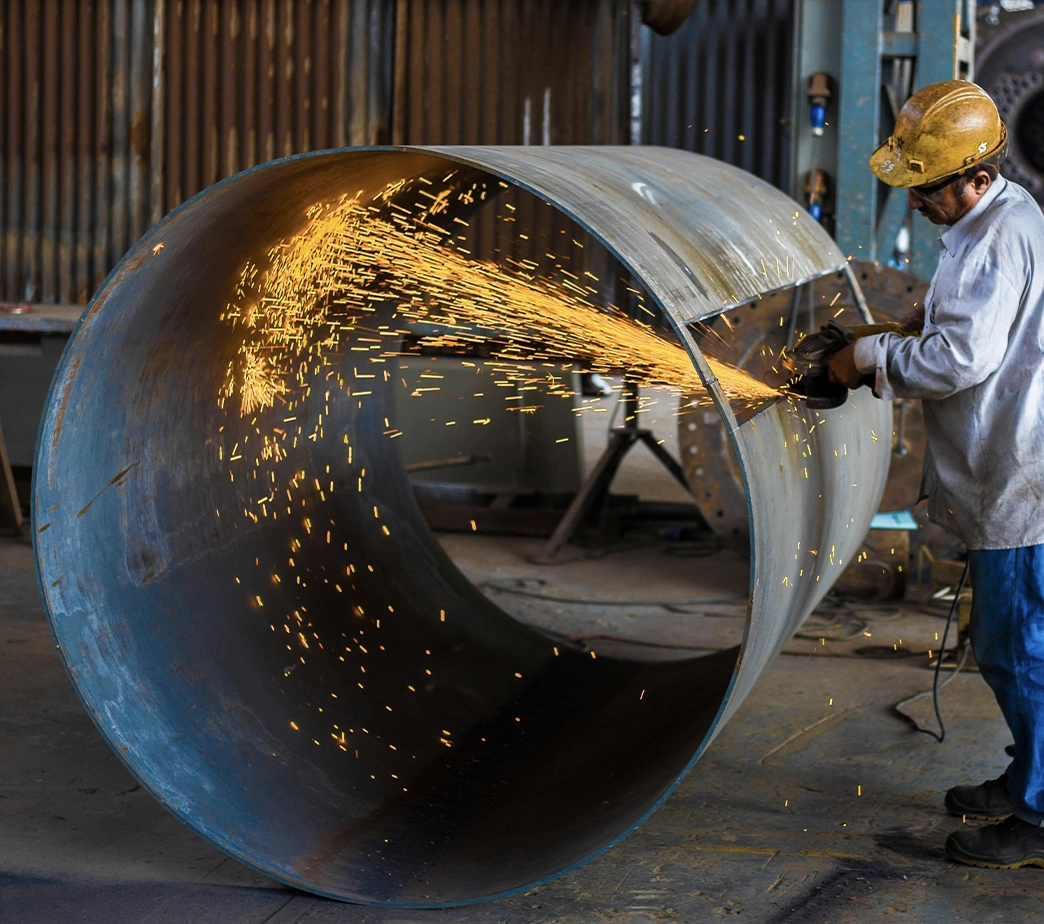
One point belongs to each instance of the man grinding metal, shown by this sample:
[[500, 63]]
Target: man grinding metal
[[979, 370]]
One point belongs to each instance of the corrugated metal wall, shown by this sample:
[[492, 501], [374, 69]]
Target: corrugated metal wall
[[116, 111], [247, 82], [724, 74], [113, 112], [510, 71]]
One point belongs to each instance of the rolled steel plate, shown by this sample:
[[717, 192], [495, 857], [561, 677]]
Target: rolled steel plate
[[409, 743]]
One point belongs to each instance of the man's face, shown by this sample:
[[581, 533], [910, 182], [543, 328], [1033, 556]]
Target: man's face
[[944, 203]]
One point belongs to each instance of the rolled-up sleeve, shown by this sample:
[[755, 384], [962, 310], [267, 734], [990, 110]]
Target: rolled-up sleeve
[[962, 345]]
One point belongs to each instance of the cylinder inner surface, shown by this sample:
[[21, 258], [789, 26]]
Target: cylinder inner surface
[[244, 587]]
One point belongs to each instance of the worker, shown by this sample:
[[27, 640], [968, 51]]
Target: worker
[[978, 369]]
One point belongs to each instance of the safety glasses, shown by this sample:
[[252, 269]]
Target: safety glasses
[[932, 192]]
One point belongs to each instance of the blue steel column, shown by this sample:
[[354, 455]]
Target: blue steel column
[[859, 109], [935, 62]]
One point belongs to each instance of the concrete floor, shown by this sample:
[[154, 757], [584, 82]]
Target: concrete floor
[[769, 825]]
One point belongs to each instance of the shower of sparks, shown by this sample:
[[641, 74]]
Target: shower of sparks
[[322, 325], [352, 257]]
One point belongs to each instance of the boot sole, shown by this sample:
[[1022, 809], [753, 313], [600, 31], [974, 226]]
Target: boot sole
[[986, 864]]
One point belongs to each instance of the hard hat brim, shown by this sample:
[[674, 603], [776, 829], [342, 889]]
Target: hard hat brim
[[891, 170]]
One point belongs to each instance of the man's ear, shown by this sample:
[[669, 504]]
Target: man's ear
[[981, 181]]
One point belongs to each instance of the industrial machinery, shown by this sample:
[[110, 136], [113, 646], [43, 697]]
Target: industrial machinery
[[239, 578]]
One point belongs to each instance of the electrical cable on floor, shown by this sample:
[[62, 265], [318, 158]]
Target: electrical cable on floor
[[642, 643], [501, 586], [693, 549], [936, 686]]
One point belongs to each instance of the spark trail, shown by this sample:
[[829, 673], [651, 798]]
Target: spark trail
[[321, 287]]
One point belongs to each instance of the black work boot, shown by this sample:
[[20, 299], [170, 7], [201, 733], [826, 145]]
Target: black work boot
[[987, 802], [1008, 845]]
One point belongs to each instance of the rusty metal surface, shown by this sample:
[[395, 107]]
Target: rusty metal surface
[[114, 112], [155, 596]]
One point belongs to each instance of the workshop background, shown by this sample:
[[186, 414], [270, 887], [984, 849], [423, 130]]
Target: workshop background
[[114, 113]]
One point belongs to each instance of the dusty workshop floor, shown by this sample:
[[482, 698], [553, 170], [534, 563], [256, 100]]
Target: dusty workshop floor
[[769, 825]]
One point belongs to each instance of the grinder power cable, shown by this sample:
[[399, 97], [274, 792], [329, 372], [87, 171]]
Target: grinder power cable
[[808, 362]]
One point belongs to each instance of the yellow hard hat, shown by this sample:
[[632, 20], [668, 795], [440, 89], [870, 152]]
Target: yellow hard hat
[[942, 130]]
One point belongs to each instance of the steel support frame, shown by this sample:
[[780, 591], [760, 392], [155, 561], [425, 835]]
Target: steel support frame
[[870, 214]]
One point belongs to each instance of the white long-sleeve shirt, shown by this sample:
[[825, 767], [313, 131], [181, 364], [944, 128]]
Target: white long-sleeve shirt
[[979, 370]]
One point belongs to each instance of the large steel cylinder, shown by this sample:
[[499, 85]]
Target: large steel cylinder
[[261, 623]]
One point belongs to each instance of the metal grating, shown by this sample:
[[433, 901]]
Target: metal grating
[[724, 74], [507, 71]]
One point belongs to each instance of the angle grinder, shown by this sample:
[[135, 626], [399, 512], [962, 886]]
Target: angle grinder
[[808, 361]]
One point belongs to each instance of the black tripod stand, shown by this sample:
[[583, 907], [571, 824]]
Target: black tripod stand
[[594, 491]]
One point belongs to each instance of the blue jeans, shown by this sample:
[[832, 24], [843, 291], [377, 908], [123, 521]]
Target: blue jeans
[[1007, 636]]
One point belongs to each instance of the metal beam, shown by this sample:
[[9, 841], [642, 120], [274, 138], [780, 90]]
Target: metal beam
[[938, 29], [860, 107]]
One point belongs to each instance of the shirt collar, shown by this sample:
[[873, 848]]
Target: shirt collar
[[957, 233]]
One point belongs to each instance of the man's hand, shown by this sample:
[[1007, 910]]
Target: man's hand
[[841, 367], [914, 320]]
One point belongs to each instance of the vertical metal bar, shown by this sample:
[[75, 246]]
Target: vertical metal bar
[[710, 84], [50, 160], [193, 156], [471, 64], [266, 69], [859, 109], [284, 75], [228, 41], [321, 83], [210, 131], [635, 136], [249, 84], [703, 117], [510, 121], [453, 62], [5, 228], [600, 76], [401, 84], [103, 146], [16, 166], [751, 96], [343, 59], [30, 271], [85, 128], [435, 75], [174, 98], [731, 126], [380, 72], [120, 126], [358, 94], [567, 22], [417, 83], [772, 121], [68, 110], [935, 61], [302, 84], [139, 152]]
